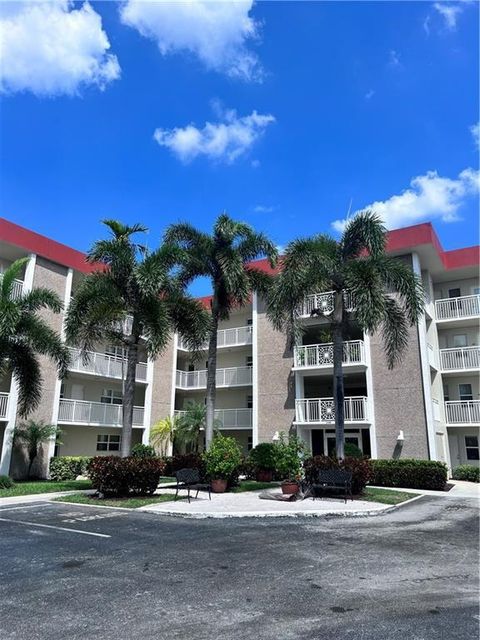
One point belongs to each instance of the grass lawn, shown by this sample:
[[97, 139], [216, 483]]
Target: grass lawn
[[253, 485], [130, 503], [387, 496], [43, 486]]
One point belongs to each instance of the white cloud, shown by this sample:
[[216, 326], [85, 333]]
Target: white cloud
[[449, 13], [255, 164], [225, 140], [216, 32], [369, 95], [261, 208], [475, 131], [50, 48], [394, 58], [429, 196]]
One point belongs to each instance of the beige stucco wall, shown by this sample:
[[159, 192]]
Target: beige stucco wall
[[81, 440], [93, 387], [456, 439], [276, 384], [466, 287], [445, 336], [162, 384]]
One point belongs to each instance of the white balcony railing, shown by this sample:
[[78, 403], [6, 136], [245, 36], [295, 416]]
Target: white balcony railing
[[322, 303], [230, 418], [3, 405], [234, 337], [321, 355], [460, 358], [17, 287], [463, 412], [455, 308], [95, 413], [230, 377], [322, 410], [104, 365]]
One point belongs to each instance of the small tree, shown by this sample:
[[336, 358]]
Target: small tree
[[32, 435], [162, 434], [189, 425]]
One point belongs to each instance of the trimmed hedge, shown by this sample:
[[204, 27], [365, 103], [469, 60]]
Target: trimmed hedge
[[361, 469], [410, 474], [6, 482], [143, 451], [467, 472], [114, 476], [68, 467]]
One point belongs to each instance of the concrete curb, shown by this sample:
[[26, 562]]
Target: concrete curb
[[40, 497]]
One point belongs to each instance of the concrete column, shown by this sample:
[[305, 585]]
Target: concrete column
[[370, 397], [255, 370], [147, 413]]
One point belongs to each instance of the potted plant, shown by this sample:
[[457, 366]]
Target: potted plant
[[221, 460], [289, 462], [263, 457]]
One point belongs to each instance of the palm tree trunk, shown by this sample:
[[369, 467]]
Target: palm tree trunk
[[129, 398], [338, 391], [211, 377]]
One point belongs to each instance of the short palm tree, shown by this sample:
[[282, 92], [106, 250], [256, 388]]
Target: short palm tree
[[387, 296], [189, 425], [32, 435], [24, 335], [161, 435], [132, 297], [224, 257]]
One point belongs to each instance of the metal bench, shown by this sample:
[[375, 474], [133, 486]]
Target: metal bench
[[190, 479], [329, 479]]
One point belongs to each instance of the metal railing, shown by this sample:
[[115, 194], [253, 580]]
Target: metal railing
[[321, 355], [17, 287], [104, 365], [461, 307], [460, 358], [322, 410], [322, 303], [462, 412], [234, 337], [230, 377], [230, 418], [4, 404], [97, 413]]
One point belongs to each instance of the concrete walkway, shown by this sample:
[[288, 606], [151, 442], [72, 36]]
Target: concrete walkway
[[40, 497], [457, 489]]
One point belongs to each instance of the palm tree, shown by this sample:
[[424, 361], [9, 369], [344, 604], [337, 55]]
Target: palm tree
[[132, 297], [386, 294], [24, 335], [189, 425], [224, 257], [161, 435], [32, 435]]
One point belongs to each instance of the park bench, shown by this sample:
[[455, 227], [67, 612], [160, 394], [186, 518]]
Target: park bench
[[190, 479], [329, 479]]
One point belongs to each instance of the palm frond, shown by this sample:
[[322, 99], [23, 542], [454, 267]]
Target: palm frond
[[40, 298], [394, 331], [9, 276], [364, 233], [26, 371]]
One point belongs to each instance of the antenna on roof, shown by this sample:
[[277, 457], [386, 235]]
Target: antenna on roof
[[349, 208]]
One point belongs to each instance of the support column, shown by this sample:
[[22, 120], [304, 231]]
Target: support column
[[147, 412], [255, 370], [370, 397]]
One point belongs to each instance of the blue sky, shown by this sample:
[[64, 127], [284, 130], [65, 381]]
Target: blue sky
[[315, 108]]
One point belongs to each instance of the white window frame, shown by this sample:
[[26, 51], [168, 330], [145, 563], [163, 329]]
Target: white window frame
[[471, 447], [464, 340], [460, 394], [112, 441], [111, 396]]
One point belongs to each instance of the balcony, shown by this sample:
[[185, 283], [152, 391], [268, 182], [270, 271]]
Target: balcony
[[235, 337], [462, 412], [3, 405], [432, 357], [460, 359], [231, 377], [100, 364], [320, 356], [95, 413], [230, 418], [322, 303], [322, 410], [457, 311], [17, 287]]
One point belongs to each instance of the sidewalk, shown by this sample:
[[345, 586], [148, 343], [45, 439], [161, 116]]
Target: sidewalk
[[459, 489], [39, 497]]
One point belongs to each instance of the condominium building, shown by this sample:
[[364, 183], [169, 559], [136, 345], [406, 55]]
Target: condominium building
[[428, 406]]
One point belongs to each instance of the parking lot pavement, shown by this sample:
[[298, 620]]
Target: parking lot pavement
[[70, 572]]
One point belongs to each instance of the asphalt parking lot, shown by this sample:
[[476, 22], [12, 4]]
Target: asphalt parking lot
[[71, 572]]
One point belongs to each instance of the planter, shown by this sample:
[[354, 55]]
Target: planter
[[264, 475], [219, 485], [289, 487]]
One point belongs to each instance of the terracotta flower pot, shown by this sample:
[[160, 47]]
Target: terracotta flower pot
[[219, 485], [289, 487], [264, 475]]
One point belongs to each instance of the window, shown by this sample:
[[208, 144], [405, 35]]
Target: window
[[249, 402], [115, 352], [471, 446], [111, 396], [460, 340], [476, 291], [108, 442], [62, 391], [249, 322], [249, 361], [446, 395], [206, 364], [249, 443], [465, 391], [191, 367], [454, 293]]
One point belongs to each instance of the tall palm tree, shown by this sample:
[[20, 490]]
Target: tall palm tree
[[24, 335], [386, 294], [133, 296], [224, 257]]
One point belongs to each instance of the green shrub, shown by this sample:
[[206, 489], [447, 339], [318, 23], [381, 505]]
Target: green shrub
[[184, 461], [223, 458], [143, 451], [467, 472], [115, 476], [6, 482], [409, 473], [289, 454], [361, 469], [352, 451], [264, 456], [68, 467]]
